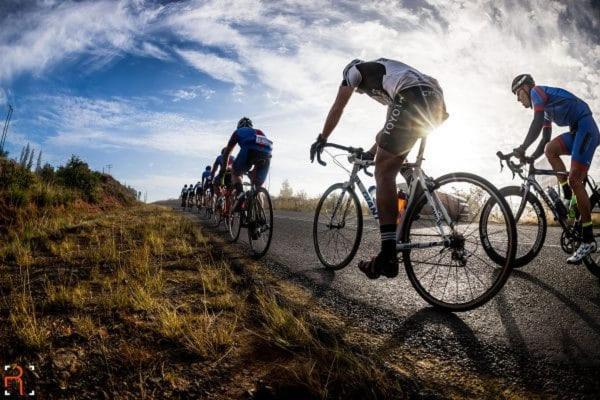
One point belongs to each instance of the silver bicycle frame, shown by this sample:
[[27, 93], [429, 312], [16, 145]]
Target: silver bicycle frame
[[418, 178]]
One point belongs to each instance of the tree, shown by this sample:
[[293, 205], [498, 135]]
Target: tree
[[30, 160], [286, 190], [38, 164], [22, 155]]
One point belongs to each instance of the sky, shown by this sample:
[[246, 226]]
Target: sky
[[155, 88]]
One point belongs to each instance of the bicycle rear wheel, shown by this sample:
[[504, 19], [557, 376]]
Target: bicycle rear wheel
[[235, 221], [530, 220], [337, 226], [260, 222], [458, 275]]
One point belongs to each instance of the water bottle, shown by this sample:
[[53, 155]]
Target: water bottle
[[372, 190], [402, 202], [558, 204]]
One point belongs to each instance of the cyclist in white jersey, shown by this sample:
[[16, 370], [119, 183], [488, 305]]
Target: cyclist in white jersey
[[415, 105]]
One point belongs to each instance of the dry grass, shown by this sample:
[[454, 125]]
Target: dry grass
[[138, 295]]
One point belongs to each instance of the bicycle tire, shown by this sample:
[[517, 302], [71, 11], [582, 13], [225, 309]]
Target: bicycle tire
[[413, 214], [256, 210], [234, 224], [593, 263], [525, 253], [359, 227]]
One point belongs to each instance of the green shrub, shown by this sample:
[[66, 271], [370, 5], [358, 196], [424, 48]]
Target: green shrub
[[13, 176], [47, 174], [78, 175]]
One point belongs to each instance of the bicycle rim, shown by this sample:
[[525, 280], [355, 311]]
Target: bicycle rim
[[459, 276], [260, 223], [337, 226]]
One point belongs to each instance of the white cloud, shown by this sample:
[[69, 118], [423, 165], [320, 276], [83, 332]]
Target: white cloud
[[191, 93], [219, 68], [3, 98]]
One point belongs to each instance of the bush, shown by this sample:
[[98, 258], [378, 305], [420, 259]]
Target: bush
[[13, 176], [47, 174], [78, 175]]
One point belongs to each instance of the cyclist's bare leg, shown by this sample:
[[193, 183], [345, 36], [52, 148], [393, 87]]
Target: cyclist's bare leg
[[577, 182], [553, 151], [387, 166]]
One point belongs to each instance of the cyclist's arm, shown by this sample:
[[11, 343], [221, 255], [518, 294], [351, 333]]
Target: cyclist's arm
[[546, 134], [214, 169], [233, 140], [534, 129], [343, 95]]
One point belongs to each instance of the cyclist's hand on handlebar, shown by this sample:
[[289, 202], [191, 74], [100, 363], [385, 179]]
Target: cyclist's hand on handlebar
[[317, 147], [519, 152]]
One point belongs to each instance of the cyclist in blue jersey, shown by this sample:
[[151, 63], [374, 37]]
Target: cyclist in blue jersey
[[224, 175], [206, 178], [255, 150], [557, 105]]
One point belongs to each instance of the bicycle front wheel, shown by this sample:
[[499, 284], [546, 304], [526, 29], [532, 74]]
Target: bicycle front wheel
[[530, 220], [451, 270], [260, 223], [337, 226]]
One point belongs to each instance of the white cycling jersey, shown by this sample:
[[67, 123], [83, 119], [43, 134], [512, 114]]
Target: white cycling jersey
[[383, 79]]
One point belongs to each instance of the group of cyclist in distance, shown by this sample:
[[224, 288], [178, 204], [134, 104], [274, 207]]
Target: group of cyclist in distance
[[415, 106], [255, 154]]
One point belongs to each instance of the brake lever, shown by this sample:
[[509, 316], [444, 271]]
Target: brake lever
[[323, 163], [367, 172], [501, 165]]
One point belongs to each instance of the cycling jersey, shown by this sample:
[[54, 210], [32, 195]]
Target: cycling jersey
[[559, 106], [383, 79], [250, 139]]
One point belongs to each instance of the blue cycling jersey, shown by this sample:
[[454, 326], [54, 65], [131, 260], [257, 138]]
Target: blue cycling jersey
[[250, 138], [205, 175], [559, 106]]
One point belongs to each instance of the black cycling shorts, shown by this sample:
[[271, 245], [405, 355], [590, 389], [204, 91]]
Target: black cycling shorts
[[414, 112]]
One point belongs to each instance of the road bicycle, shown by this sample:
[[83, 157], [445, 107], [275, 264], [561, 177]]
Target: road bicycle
[[221, 207], [530, 216], [254, 211], [439, 238]]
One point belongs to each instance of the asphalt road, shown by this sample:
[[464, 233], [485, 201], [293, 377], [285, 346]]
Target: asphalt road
[[542, 331]]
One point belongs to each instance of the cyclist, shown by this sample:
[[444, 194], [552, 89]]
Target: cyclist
[[197, 192], [557, 105], [190, 196], [224, 175], [206, 179], [415, 104], [255, 151], [184, 193]]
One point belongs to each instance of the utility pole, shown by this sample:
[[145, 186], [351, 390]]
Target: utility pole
[[5, 130], [108, 167]]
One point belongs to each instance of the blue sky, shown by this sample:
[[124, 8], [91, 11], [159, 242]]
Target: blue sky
[[155, 88]]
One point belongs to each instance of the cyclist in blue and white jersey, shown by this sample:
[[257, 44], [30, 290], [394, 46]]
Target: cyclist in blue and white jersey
[[551, 104], [206, 178], [255, 150]]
